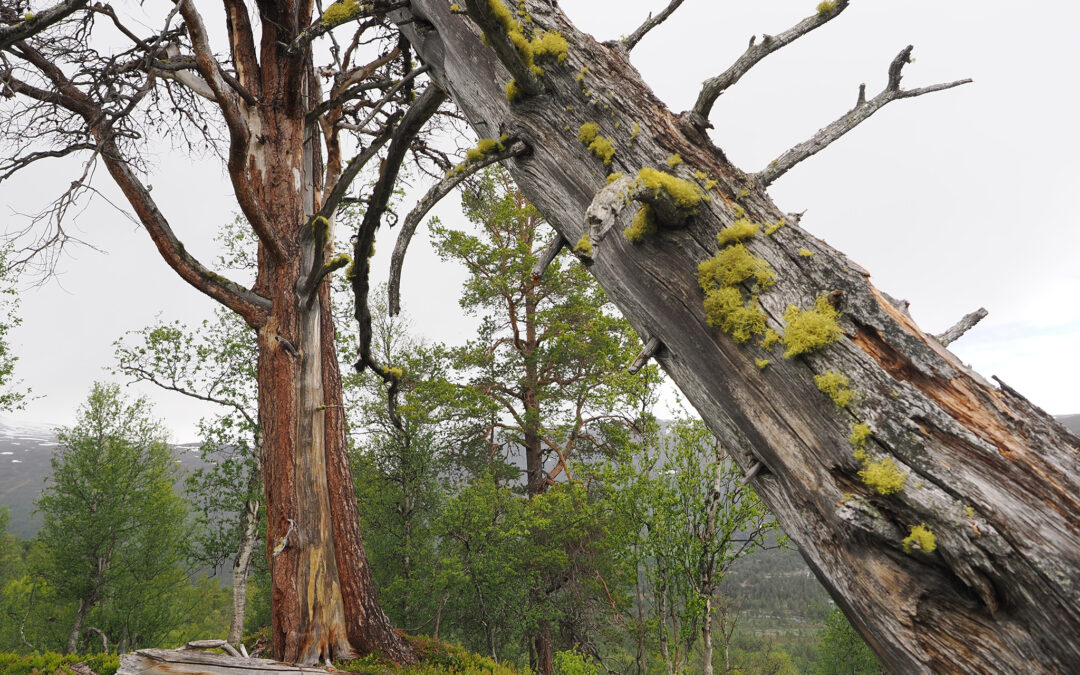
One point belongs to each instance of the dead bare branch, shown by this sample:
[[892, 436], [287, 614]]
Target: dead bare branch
[[38, 22], [429, 200], [481, 12], [322, 26], [962, 326], [856, 116], [631, 41], [756, 51]]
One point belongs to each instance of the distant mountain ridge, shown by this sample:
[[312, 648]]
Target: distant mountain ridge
[[25, 454], [25, 451]]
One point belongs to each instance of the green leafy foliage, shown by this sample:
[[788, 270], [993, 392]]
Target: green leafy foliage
[[114, 531], [697, 522], [843, 651], [57, 664], [11, 397]]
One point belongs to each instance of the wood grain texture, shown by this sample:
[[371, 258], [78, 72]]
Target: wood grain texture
[[991, 474]]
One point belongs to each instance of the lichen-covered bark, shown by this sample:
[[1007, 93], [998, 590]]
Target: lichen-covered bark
[[991, 475]]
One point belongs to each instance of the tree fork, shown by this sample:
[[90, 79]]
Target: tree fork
[[992, 476]]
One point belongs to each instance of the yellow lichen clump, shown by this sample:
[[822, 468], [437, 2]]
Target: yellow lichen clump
[[546, 44], [396, 373], [773, 227], [733, 265], [604, 148], [921, 539], [455, 7], [612, 177], [685, 193], [860, 434], [674, 161], [761, 363], [806, 253], [771, 338], [880, 474], [810, 329], [724, 308], [601, 146], [740, 230], [826, 7], [883, 476], [484, 147], [837, 386], [720, 277], [341, 11], [643, 225], [584, 246], [588, 131]]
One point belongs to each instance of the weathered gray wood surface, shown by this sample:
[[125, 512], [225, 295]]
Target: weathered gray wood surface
[[992, 475], [173, 662]]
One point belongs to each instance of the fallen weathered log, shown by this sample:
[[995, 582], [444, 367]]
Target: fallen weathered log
[[177, 662], [941, 512]]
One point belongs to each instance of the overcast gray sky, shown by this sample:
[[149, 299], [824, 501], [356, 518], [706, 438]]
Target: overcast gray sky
[[954, 200]]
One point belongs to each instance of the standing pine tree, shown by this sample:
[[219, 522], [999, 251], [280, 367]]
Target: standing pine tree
[[113, 527], [547, 372]]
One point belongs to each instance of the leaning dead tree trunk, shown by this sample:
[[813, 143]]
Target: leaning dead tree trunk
[[941, 512]]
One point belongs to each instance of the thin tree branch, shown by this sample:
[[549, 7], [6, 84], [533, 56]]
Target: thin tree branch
[[862, 110], [361, 11], [242, 44], [16, 163], [386, 99], [962, 326], [337, 193], [422, 109], [480, 11], [711, 90], [235, 120], [652, 22], [250, 305], [652, 347], [9, 35], [429, 200], [550, 252]]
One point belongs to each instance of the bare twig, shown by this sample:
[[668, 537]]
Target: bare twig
[[385, 99], [652, 347], [38, 22], [551, 251], [753, 471], [962, 326], [433, 196], [631, 41], [713, 87], [852, 119]]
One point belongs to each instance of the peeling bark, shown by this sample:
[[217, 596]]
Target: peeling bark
[[993, 476]]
